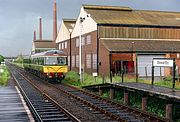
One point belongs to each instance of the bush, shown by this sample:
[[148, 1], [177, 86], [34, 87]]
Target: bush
[[72, 78], [19, 59], [4, 76], [1, 59]]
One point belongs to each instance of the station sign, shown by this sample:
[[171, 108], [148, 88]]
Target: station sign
[[95, 74], [163, 62]]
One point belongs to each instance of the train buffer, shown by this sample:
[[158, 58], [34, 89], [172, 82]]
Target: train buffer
[[12, 107]]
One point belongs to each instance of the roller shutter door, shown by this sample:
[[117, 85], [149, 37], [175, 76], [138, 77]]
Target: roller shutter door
[[145, 64]]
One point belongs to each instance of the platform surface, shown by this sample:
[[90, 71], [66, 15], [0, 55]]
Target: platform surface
[[11, 107], [162, 91]]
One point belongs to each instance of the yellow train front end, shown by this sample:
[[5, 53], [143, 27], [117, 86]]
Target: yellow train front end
[[55, 72]]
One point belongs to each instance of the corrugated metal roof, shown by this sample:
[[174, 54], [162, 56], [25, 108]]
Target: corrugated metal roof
[[44, 44], [155, 46], [99, 7], [125, 15]]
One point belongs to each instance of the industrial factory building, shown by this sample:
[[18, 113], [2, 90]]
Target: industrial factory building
[[41, 45], [116, 38]]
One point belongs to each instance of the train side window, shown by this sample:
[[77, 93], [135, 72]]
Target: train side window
[[41, 61]]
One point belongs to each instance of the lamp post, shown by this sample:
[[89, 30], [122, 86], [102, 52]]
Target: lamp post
[[80, 46], [80, 49]]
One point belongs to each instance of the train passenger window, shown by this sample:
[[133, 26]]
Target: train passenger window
[[41, 61]]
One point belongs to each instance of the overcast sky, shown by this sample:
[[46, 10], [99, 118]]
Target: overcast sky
[[19, 18]]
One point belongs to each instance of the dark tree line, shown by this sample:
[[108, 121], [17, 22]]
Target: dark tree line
[[1, 59]]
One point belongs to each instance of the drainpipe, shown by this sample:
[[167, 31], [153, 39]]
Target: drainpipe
[[110, 67], [97, 49]]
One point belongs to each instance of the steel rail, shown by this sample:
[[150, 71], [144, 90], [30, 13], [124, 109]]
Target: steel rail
[[135, 112], [28, 102], [73, 118]]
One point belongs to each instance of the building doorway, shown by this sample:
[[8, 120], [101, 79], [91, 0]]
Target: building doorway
[[126, 66]]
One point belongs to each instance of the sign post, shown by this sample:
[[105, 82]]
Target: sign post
[[164, 62], [95, 74], [174, 73]]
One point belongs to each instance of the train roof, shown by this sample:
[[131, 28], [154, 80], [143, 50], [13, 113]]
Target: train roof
[[49, 53]]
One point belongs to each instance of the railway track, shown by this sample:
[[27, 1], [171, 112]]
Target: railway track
[[113, 110], [42, 106]]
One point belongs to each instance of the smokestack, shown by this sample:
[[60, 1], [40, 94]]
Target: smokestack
[[40, 28], [54, 21], [34, 35]]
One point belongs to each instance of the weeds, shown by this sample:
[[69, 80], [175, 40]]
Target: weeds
[[4, 76]]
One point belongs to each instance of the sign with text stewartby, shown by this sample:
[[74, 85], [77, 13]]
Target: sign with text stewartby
[[162, 62]]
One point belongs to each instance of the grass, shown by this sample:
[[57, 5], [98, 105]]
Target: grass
[[4, 76], [19, 64], [72, 78]]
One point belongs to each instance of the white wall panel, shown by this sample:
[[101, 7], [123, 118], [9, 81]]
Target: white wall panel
[[146, 61], [88, 25]]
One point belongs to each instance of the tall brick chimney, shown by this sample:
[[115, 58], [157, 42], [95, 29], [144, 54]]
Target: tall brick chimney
[[54, 21], [40, 28], [34, 35]]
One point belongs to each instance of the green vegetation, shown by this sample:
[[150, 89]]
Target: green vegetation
[[156, 106], [135, 100], [19, 61], [1, 59], [119, 96], [105, 94], [72, 78], [166, 82], [4, 76]]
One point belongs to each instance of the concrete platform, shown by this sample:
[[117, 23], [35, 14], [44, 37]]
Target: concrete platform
[[153, 90], [12, 108]]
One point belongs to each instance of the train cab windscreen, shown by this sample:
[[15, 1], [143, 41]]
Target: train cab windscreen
[[56, 61]]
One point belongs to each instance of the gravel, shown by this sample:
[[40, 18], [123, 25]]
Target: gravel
[[85, 114]]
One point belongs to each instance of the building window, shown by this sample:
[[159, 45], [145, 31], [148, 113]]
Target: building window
[[83, 41], [59, 46], [62, 46], [88, 39], [94, 61], [65, 44], [77, 60], [73, 61], [68, 60], [88, 60], [77, 42]]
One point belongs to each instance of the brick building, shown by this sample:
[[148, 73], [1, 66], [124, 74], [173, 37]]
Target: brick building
[[41, 45], [116, 37]]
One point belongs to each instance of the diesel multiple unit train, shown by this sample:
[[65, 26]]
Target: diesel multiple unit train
[[49, 65]]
